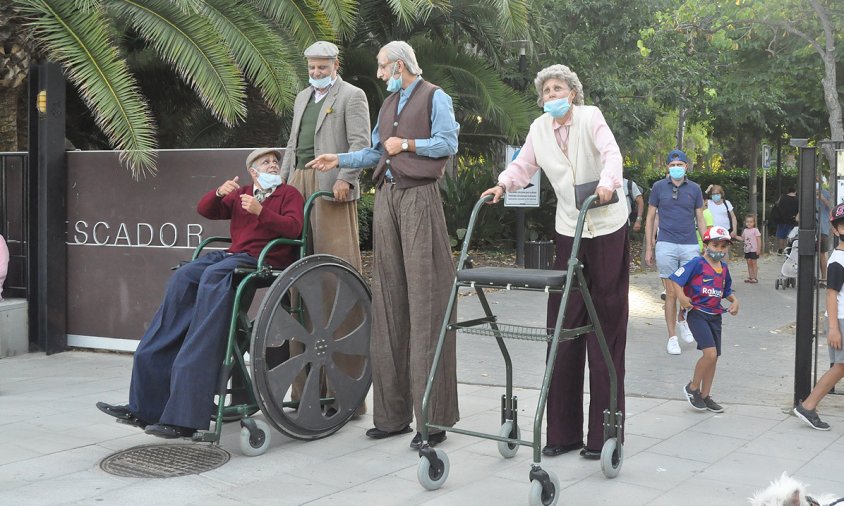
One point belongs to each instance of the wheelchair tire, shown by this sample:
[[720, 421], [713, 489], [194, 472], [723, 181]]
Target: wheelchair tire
[[328, 323]]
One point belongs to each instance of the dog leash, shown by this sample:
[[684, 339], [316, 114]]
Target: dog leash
[[813, 502]]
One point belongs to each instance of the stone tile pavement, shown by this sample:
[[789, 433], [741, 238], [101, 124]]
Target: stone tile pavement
[[52, 438]]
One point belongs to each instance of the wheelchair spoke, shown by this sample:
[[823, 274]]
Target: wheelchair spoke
[[355, 342], [281, 376], [345, 387], [284, 327], [311, 296], [345, 300], [309, 405]]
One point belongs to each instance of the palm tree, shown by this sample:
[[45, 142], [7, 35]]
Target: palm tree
[[218, 48], [215, 46], [14, 65]]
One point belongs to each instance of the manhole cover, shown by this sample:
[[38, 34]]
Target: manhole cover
[[165, 461]]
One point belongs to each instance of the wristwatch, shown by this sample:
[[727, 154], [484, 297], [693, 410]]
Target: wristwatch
[[404, 145]]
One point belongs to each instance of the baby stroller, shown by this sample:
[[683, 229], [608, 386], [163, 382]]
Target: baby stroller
[[788, 276]]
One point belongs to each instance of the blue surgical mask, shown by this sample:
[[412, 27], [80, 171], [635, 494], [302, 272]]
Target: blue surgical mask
[[557, 108], [320, 84], [268, 181], [394, 83], [677, 173], [716, 255], [716, 198]]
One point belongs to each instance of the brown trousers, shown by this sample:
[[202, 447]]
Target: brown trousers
[[414, 273], [606, 266], [334, 231]]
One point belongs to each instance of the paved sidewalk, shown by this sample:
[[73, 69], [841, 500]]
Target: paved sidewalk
[[52, 438]]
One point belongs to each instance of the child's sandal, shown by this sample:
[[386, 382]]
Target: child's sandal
[[754, 280]]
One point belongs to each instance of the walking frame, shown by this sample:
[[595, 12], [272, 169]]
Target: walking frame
[[433, 464]]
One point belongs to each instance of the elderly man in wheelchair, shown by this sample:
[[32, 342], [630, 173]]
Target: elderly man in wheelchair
[[175, 372]]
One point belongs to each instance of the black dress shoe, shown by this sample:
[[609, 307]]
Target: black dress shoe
[[433, 439], [554, 450], [588, 454], [122, 412], [169, 431], [376, 433]]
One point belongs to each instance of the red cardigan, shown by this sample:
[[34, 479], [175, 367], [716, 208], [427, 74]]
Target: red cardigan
[[281, 216]]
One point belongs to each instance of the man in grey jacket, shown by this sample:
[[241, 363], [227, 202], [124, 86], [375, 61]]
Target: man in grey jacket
[[329, 116]]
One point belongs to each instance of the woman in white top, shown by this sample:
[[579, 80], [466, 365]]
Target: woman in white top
[[721, 209]]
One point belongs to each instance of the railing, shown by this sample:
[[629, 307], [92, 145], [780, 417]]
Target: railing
[[15, 220]]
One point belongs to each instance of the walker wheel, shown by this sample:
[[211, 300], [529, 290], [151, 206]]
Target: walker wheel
[[777, 284], [510, 430], [433, 468], [544, 492], [612, 456]]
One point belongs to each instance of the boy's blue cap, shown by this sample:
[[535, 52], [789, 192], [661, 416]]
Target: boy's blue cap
[[676, 155]]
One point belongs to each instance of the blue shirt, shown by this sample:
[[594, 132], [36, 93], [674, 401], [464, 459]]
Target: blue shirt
[[443, 140], [677, 219], [705, 286], [822, 212]]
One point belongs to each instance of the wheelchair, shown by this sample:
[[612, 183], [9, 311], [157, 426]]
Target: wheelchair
[[433, 465], [319, 301]]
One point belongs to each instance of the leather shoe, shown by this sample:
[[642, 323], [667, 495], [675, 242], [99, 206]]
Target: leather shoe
[[434, 439], [123, 414], [588, 454], [118, 411], [554, 450], [169, 431], [376, 433]]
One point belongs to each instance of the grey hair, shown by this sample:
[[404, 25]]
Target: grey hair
[[401, 50], [562, 73]]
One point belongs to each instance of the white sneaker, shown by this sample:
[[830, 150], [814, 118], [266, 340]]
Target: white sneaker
[[673, 346], [685, 332]]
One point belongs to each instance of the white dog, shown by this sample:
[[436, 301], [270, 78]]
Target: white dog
[[789, 492]]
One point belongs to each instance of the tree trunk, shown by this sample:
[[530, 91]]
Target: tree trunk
[[8, 118], [829, 81], [754, 167], [681, 126]]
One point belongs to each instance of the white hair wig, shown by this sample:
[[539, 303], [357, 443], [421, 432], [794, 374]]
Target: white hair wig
[[562, 73], [401, 50]]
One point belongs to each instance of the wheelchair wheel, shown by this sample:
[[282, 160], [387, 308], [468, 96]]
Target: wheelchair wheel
[[323, 303]]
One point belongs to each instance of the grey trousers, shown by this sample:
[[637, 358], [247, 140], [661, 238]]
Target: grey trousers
[[413, 275]]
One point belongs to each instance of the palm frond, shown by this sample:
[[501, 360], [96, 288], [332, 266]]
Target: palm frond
[[194, 48], [409, 12], [78, 41], [258, 49], [512, 16], [306, 23], [342, 15], [475, 88]]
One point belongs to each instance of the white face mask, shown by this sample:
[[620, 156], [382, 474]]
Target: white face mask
[[268, 181]]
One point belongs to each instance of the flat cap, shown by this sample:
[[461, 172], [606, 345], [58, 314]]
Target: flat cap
[[258, 153], [322, 49]]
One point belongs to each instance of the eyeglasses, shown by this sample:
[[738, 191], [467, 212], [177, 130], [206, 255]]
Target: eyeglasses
[[675, 192]]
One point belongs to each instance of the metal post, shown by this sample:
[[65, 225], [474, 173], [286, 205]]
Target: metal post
[[51, 192], [520, 212], [805, 338]]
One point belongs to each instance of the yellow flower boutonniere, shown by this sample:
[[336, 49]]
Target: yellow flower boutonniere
[[329, 111]]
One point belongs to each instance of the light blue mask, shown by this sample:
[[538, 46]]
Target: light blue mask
[[320, 84], [394, 83], [716, 198], [268, 181], [677, 173], [716, 255], [557, 108]]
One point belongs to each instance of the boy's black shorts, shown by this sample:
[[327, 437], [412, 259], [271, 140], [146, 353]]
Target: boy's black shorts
[[751, 256]]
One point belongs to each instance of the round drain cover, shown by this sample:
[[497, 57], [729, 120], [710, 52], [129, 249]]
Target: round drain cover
[[165, 460]]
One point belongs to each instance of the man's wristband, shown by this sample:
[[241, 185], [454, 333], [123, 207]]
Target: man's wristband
[[217, 193], [502, 186]]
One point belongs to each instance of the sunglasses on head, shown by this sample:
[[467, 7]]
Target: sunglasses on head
[[674, 192]]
